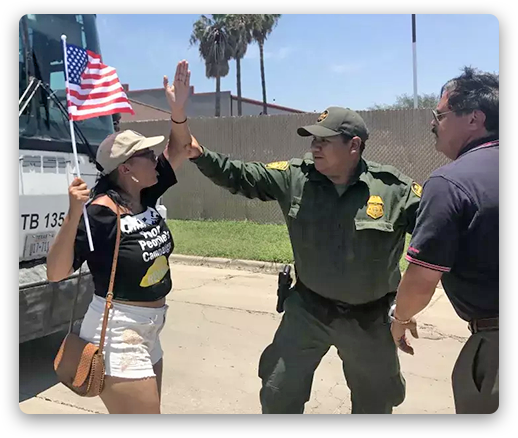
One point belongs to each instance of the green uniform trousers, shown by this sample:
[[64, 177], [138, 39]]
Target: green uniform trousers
[[365, 345]]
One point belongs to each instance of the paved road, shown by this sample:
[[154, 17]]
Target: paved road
[[219, 322]]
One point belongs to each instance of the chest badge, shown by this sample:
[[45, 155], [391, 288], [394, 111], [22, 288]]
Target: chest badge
[[375, 207], [417, 189]]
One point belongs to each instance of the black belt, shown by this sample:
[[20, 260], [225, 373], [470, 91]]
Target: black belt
[[327, 309], [483, 325]]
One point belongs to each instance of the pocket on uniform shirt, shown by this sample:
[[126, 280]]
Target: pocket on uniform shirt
[[305, 223], [373, 239]]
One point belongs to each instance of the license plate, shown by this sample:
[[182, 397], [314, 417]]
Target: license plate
[[37, 245]]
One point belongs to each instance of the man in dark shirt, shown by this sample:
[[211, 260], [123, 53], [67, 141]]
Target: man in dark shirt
[[456, 236]]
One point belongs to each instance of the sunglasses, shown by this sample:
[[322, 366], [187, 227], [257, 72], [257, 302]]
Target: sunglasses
[[148, 153]]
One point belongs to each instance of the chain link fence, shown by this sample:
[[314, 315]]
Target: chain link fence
[[401, 138]]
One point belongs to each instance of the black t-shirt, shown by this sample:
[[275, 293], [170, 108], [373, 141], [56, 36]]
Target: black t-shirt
[[146, 243], [457, 229]]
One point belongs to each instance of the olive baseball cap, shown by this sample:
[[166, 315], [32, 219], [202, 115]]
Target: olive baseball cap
[[336, 120], [120, 146]]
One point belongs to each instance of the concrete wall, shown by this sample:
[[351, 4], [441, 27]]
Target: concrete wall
[[204, 104], [255, 109], [154, 97]]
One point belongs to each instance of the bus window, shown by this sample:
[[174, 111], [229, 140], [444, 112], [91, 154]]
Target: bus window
[[42, 41]]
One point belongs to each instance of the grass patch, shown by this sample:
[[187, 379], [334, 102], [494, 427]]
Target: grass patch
[[232, 240], [237, 240]]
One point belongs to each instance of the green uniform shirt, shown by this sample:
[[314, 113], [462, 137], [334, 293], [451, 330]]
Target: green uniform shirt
[[346, 247]]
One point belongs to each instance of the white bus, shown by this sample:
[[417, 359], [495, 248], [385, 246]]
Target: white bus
[[46, 167]]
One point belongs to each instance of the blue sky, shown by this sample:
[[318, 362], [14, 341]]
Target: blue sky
[[312, 61]]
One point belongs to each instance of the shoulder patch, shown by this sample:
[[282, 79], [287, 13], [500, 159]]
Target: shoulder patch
[[279, 165], [391, 170], [417, 189], [297, 162]]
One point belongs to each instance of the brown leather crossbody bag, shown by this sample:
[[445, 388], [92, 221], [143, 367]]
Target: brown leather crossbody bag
[[80, 364]]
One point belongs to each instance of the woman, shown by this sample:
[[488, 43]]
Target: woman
[[133, 180]]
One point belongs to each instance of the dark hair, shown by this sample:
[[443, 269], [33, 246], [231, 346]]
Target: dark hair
[[475, 90], [116, 119], [347, 138], [108, 185]]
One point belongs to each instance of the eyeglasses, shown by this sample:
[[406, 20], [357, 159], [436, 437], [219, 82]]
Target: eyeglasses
[[439, 116]]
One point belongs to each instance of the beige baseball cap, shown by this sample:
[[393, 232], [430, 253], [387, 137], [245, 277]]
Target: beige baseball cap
[[120, 146]]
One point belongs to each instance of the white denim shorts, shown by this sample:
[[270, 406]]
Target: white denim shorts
[[132, 343]]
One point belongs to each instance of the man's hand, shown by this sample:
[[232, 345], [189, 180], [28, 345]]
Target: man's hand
[[193, 149], [178, 93], [399, 334], [178, 153]]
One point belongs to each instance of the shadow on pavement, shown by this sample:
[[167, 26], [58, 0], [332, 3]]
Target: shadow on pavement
[[36, 359]]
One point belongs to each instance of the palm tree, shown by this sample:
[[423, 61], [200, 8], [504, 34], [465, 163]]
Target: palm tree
[[215, 48], [239, 28], [262, 26]]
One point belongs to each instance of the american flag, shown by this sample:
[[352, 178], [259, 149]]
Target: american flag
[[93, 88]]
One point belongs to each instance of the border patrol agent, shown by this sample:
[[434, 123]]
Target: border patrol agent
[[456, 236], [347, 232]]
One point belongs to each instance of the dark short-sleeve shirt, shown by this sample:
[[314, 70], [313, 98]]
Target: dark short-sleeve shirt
[[146, 243], [457, 229]]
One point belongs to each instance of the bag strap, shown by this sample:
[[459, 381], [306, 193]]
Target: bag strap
[[71, 324], [109, 295]]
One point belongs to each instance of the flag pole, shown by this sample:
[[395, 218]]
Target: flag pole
[[414, 53], [73, 137]]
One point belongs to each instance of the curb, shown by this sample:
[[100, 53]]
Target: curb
[[244, 265], [221, 263]]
